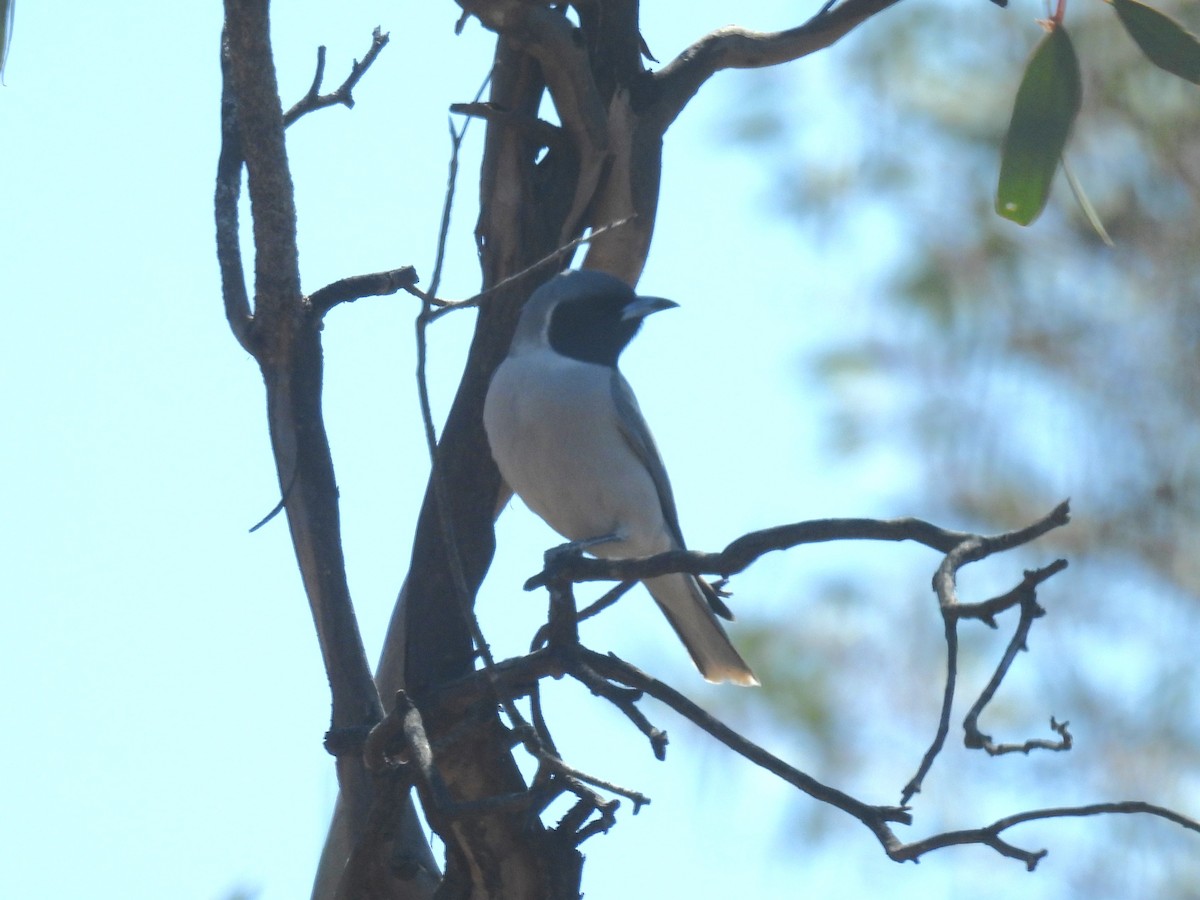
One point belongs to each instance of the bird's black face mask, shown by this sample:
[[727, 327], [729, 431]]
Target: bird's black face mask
[[592, 328]]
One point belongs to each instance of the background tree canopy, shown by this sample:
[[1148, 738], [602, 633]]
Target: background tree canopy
[[995, 367]]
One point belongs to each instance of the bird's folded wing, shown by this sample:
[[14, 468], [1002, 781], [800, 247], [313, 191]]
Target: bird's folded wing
[[637, 435]]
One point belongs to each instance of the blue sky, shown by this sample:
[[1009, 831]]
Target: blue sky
[[161, 681]]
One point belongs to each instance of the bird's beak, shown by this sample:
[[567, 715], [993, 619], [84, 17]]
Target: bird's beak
[[640, 307]]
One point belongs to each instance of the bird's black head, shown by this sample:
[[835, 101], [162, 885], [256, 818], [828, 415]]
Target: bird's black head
[[597, 317]]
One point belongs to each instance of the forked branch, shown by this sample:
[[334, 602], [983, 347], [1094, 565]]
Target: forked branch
[[564, 655], [344, 94]]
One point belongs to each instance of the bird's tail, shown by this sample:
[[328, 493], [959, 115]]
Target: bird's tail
[[682, 602]]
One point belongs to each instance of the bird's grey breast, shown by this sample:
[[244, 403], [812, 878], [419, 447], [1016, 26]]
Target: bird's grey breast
[[555, 432]]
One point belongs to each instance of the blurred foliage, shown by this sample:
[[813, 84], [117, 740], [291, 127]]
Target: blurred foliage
[[1013, 367], [1165, 42]]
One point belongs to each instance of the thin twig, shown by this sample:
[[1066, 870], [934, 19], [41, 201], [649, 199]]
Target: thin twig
[[971, 550], [606, 600], [609, 597], [541, 131], [990, 834], [448, 306], [572, 822], [562, 768], [462, 592], [875, 818], [314, 99], [278, 507], [562, 636], [618, 670], [538, 719], [950, 632], [1030, 610], [439, 256], [623, 698], [456, 139]]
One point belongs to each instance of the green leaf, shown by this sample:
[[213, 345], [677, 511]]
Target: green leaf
[[1164, 41], [1047, 102]]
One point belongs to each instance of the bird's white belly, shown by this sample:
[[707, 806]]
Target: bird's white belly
[[554, 434]]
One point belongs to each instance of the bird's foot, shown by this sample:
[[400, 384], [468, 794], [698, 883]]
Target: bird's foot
[[576, 548]]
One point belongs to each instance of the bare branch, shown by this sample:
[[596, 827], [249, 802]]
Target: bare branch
[[462, 594], [987, 610], [283, 334], [990, 835], [604, 675], [609, 597], [625, 700], [376, 284], [572, 823], [556, 764], [550, 38], [344, 95], [583, 108], [875, 817], [290, 359], [445, 306], [1123, 807], [401, 736], [1024, 595], [564, 565], [972, 549], [539, 130], [745, 550], [943, 727], [456, 139], [229, 172], [734, 47], [562, 633], [1026, 592], [225, 208]]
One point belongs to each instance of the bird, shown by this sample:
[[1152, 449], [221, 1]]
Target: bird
[[568, 437]]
